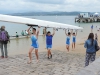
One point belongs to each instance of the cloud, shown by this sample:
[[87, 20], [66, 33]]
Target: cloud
[[49, 5], [48, 1]]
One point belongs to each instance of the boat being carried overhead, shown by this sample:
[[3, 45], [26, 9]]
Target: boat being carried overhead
[[36, 22]]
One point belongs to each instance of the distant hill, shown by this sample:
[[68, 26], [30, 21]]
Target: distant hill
[[47, 13]]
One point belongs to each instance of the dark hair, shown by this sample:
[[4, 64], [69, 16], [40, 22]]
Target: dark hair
[[68, 33], [16, 32], [48, 32], [73, 33], [34, 29], [91, 36]]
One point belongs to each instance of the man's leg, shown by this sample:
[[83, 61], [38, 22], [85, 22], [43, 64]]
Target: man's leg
[[2, 52], [6, 52]]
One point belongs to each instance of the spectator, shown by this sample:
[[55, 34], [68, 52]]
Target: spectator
[[90, 46], [4, 38]]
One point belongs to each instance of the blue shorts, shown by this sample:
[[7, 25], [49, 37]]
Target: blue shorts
[[67, 43], [74, 41], [48, 46], [35, 46]]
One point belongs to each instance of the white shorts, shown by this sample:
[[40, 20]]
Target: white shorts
[[34, 48]]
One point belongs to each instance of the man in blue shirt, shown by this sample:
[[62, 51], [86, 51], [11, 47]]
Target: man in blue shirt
[[49, 42]]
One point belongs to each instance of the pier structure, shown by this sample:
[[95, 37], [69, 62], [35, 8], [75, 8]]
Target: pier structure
[[86, 18]]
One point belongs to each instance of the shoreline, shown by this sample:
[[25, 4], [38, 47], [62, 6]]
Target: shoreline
[[56, 46]]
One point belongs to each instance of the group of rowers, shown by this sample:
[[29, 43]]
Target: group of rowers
[[22, 34], [49, 36]]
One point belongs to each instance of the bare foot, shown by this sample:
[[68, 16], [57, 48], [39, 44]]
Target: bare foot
[[37, 61], [29, 62], [67, 51]]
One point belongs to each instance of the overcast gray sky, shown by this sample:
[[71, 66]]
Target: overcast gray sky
[[8, 6]]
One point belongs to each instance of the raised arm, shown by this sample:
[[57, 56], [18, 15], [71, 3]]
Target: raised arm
[[8, 37], [85, 44], [72, 31], [45, 31], [38, 31], [53, 32], [76, 32], [29, 30], [65, 32]]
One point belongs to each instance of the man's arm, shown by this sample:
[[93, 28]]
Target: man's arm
[[53, 32], [96, 43], [85, 45], [45, 30], [65, 32], [72, 31], [29, 30], [76, 32], [38, 31], [8, 36]]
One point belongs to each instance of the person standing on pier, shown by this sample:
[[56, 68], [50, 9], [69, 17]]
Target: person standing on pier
[[91, 28]]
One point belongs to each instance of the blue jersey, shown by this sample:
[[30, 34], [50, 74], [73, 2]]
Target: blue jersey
[[68, 40], [74, 39], [34, 41], [49, 40]]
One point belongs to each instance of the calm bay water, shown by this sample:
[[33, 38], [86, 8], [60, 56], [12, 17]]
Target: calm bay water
[[21, 46]]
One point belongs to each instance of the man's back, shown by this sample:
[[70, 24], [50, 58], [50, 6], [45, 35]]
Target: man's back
[[4, 38], [4, 35]]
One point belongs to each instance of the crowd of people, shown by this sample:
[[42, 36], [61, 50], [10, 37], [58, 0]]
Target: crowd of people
[[91, 44]]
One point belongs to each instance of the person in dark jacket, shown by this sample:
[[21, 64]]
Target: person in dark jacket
[[4, 42], [90, 45]]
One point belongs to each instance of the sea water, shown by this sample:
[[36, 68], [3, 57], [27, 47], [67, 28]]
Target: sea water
[[21, 46]]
